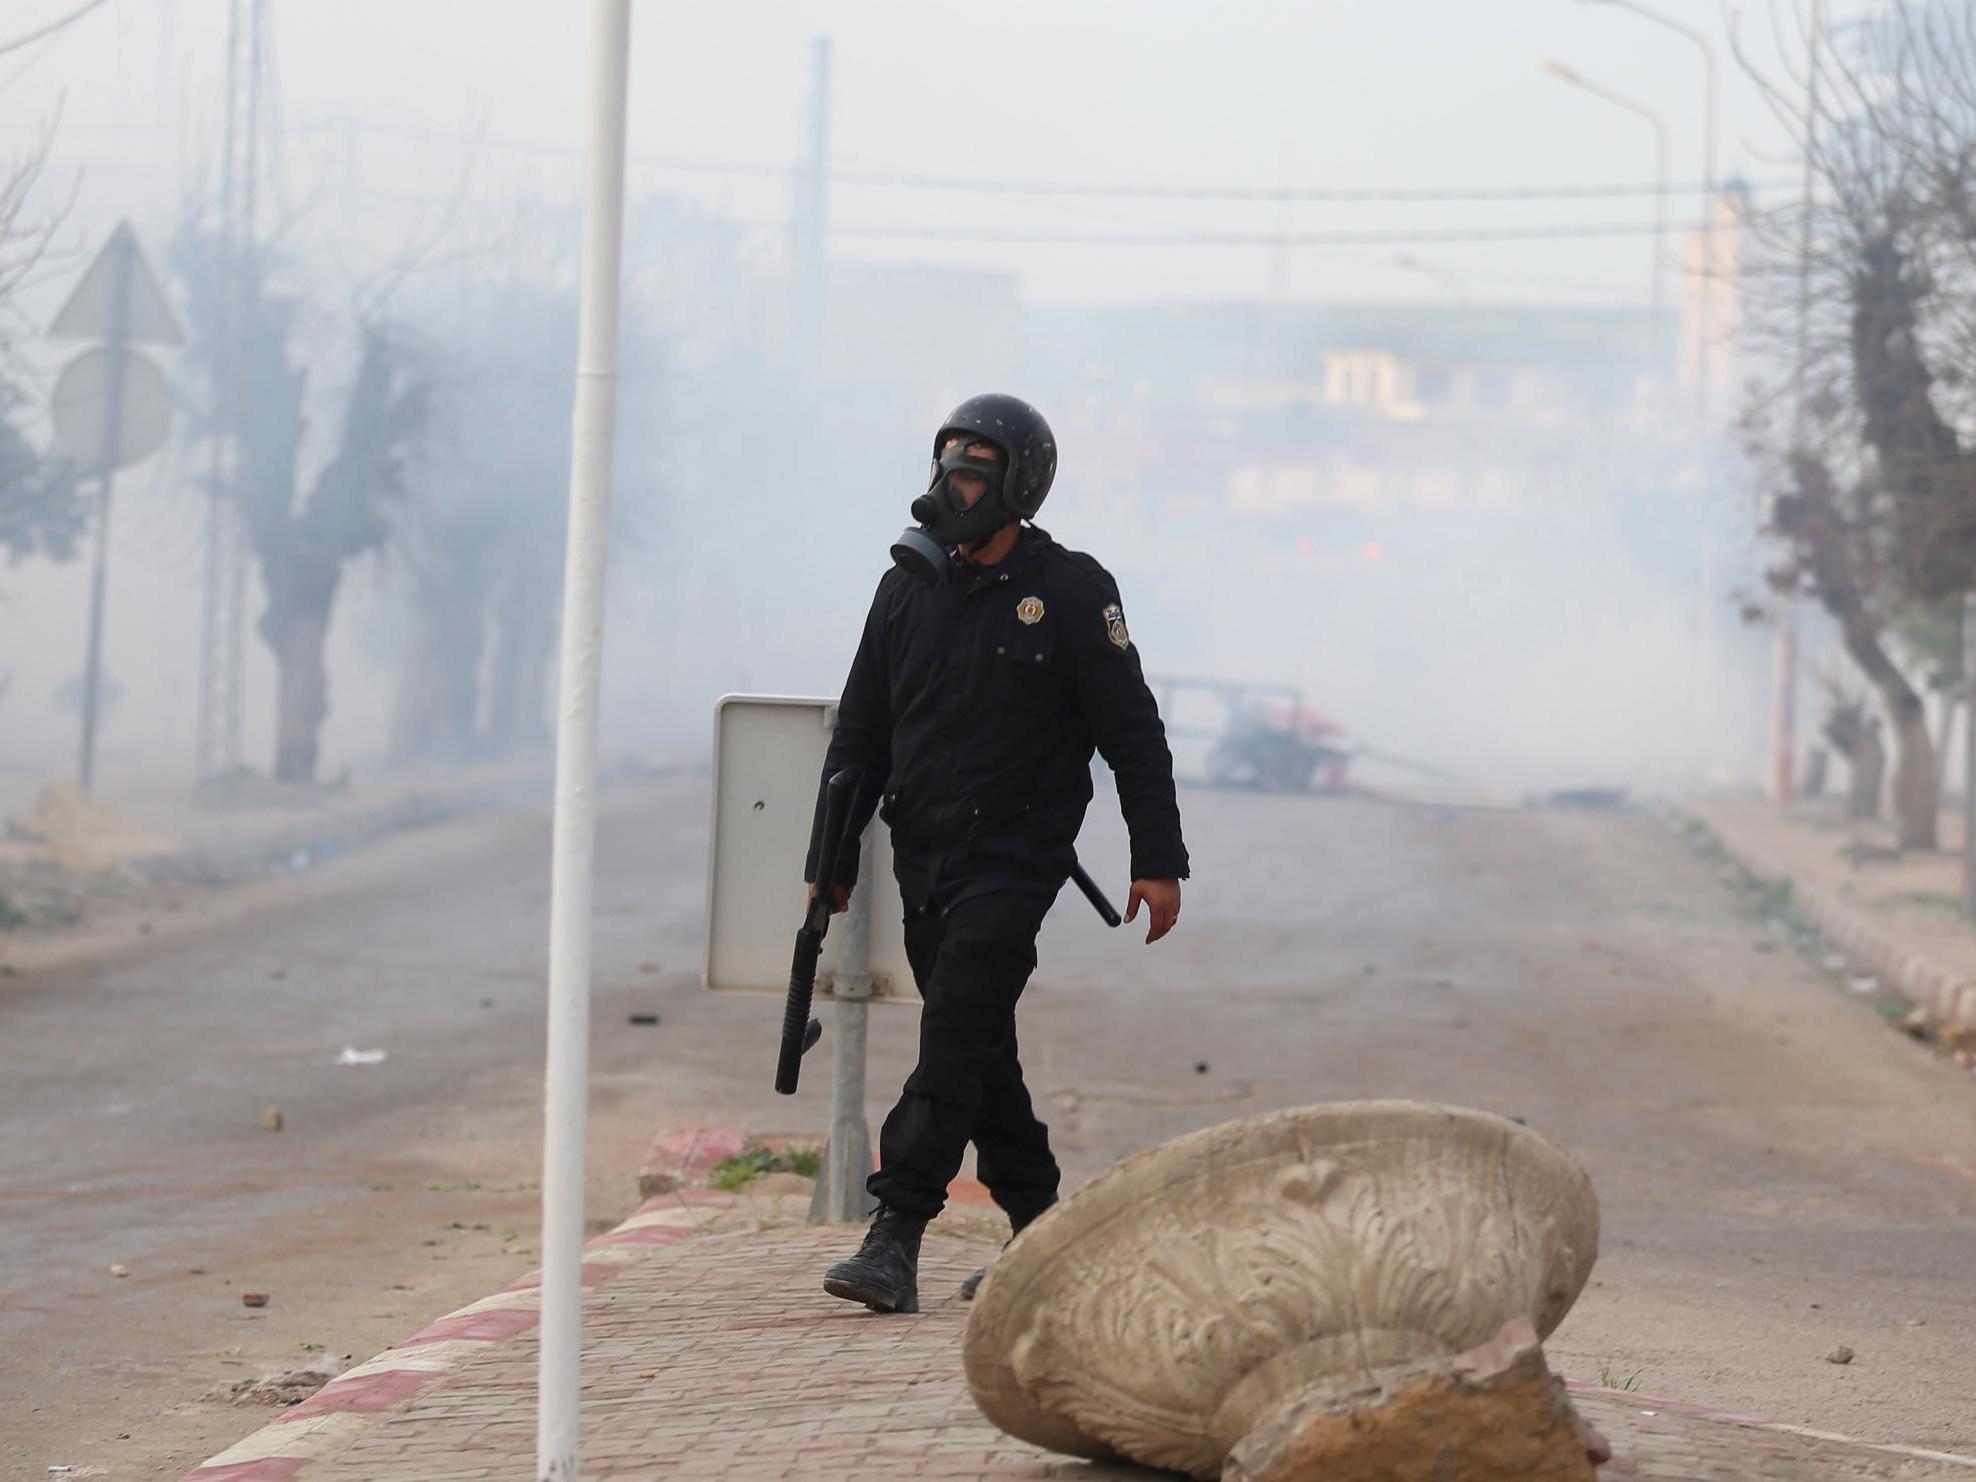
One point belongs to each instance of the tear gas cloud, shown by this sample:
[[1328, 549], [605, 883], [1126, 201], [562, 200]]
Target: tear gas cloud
[[1371, 377]]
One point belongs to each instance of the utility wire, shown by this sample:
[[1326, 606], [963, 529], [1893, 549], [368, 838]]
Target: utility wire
[[1250, 239], [51, 28], [1113, 190]]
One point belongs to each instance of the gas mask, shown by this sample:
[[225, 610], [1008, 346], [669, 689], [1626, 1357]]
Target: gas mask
[[945, 517]]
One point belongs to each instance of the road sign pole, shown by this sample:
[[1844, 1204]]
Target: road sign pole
[[99, 580], [840, 1196], [566, 1091]]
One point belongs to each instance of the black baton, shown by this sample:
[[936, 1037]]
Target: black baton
[[1094, 895]]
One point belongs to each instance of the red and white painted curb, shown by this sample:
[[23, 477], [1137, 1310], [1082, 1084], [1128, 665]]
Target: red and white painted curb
[[1946, 997], [324, 1425], [1650, 1405]]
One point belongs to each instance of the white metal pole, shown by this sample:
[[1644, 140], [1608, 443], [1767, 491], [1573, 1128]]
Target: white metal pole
[[122, 246], [1968, 756], [566, 1093]]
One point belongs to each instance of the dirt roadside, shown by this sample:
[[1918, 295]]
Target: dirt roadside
[[364, 1237]]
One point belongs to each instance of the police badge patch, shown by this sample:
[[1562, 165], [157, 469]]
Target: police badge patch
[[1115, 627], [1029, 610]]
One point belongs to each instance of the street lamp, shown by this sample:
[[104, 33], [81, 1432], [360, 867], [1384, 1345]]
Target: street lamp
[[1565, 74], [1708, 179], [1440, 275]]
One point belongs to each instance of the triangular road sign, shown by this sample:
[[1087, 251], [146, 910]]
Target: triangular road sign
[[148, 317]]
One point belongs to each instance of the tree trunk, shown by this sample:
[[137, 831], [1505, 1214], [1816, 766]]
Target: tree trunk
[[303, 696], [295, 627], [1917, 791], [439, 683], [1944, 737], [524, 643], [1819, 526], [1866, 765]]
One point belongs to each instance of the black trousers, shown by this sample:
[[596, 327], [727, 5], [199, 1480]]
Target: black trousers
[[971, 963]]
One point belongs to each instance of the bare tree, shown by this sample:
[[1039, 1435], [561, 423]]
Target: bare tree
[[244, 335], [42, 512], [1864, 288]]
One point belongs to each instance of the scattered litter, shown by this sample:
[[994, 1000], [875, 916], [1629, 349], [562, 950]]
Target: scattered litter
[[1650, 1412], [643, 1018], [253, 1299], [352, 1056], [271, 1118], [120, 1270], [1200, 1067], [1864, 983], [1839, 1355]]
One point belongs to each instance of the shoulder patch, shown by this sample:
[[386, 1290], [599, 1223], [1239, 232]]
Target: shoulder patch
[[1115, 627]]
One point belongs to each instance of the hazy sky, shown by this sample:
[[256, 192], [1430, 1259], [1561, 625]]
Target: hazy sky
[[384, 98]]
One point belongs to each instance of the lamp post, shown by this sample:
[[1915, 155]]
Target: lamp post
[[1619, 100], [1707, 290]]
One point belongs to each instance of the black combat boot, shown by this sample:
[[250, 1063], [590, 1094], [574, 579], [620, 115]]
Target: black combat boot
[[973, 1283], [884, 1274]]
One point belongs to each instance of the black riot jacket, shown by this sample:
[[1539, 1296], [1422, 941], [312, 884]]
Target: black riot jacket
[[973, 708]]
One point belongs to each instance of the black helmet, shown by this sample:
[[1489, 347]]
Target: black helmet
[[1018, 429]]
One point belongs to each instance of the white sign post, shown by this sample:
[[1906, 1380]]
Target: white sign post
[[112, 408]]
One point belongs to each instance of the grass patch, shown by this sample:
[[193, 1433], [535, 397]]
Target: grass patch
[[1927, 900], [1610, 1380], [729, 1174]]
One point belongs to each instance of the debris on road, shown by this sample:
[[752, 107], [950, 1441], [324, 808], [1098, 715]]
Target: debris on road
[[278, 1390], [353, 1056], [271, 1118], [1839, 1355], [1591, 799], [120, 1270], [253, 1299], [643, 1018]]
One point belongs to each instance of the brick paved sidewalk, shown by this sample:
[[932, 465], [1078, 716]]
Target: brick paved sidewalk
[[720, 1356]]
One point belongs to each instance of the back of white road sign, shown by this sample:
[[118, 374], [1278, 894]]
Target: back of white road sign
[[768, 758]]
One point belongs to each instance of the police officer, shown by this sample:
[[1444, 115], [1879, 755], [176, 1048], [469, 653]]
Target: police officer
[[992, 663]]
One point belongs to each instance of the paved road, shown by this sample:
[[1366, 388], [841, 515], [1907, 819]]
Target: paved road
[[1779, 1173]]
